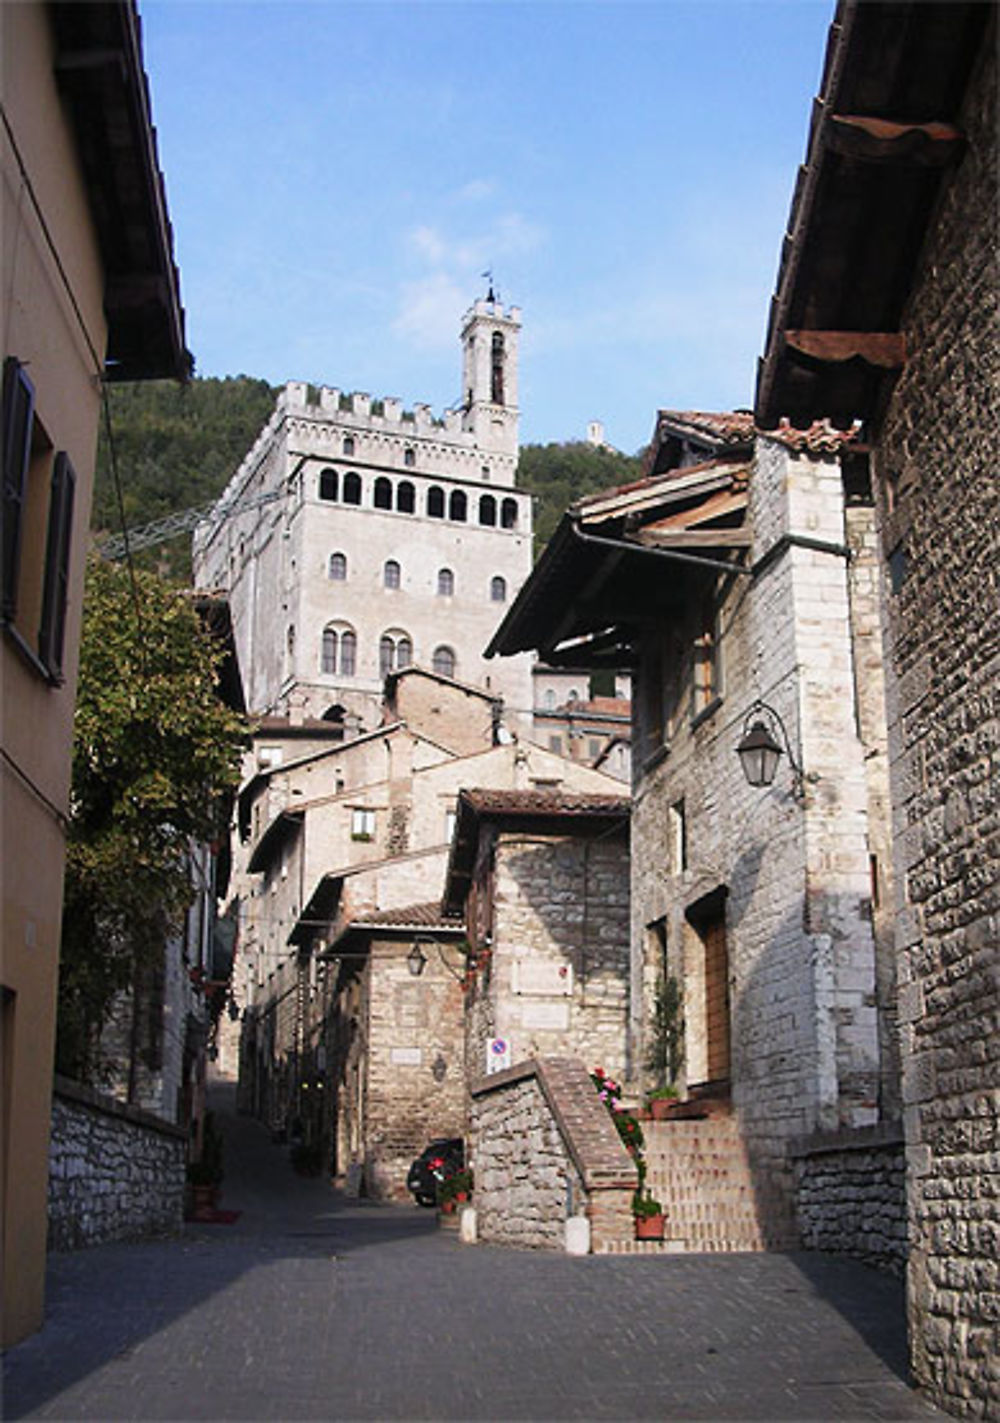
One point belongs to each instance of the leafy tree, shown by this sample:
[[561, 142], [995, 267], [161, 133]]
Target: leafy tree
[[559, 474], [176, 446], [155, 752]]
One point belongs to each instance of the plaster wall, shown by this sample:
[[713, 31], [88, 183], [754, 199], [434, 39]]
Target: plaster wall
[[42, 331]]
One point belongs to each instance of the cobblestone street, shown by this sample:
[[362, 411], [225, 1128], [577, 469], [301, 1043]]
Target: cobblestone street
[[313, 1307]]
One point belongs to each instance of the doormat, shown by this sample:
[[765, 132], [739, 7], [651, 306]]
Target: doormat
[[214, 1217]]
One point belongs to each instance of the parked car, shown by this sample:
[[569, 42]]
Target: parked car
[[438, 1160]]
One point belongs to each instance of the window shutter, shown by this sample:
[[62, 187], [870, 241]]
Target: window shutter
[[18, 416], [55, 591]]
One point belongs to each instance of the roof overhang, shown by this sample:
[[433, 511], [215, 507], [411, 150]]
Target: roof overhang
[[319, 912], [622, 559], [883, 136], [100, 75], [281, 829]]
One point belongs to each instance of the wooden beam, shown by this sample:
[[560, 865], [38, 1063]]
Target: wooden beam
[[695, 538], [871, 140], [885, 349]]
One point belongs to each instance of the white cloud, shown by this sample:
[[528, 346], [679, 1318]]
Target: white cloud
[[476, 190], [429, 311]]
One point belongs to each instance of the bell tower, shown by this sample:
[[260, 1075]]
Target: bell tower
[[489, 374]]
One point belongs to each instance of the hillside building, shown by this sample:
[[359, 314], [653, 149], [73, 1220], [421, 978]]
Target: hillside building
[[358, 538]]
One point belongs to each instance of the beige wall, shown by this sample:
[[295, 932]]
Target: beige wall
[[43, 332]]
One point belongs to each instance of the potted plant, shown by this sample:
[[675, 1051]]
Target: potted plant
[[455, 1190], [648, 1215], [660, 1100], [205, 1175]]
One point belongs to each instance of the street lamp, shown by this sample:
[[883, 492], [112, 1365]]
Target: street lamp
[[760, 751], [415, 961]]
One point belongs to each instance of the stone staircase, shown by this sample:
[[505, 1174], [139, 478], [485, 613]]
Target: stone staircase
[[697, 1166]]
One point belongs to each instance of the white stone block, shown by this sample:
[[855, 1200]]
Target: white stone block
[[467, 1225], [577, 1235]]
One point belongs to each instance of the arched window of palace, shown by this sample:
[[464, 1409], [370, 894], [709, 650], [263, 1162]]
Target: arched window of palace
[[487, 510], [444, 661], [458, 506], [337, 567], [435, 502], [382, 498], [328, 484], [508, 514], [352, 488], [406, 499]]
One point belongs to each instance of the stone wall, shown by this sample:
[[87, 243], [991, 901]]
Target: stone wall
[[851, 1196], [558, 979], [414, 1082], [115, 1172], [544, 1149], [936, 461]]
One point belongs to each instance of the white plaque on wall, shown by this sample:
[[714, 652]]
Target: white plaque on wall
[[536, 978], [406, 1056], [545, 1014]]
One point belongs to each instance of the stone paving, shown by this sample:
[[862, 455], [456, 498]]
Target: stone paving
[[314, 1307]]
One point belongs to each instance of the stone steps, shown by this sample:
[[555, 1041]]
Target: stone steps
[[699, 1169]]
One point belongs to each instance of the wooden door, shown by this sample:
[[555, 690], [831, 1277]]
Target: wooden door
[[713, 936]]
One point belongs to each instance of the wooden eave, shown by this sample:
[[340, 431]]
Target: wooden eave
[[883, 136], [284, 825], [100, 76]]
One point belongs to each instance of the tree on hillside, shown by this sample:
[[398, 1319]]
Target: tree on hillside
[[176, 446], [155, 751], [557, 475]]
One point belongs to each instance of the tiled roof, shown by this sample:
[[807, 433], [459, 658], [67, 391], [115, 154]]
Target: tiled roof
[[821, 438], [730, 427], [543, 802]]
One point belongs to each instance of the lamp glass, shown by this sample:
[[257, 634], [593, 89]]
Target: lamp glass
[[759, 754], [415, 961]]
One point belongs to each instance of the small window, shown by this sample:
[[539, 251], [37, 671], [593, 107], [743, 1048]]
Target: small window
[[555, 744], [444, 662], [458, 506], [395, 651], [550, 700], [409, 458], [498, 589], [508, 514], [18, 419], [487, 510], [348, 445], [290, 638], [362, 824], [706, 681], [496, 368], [391, 574], [594, 748], [352, 488], [268, 756], [328, 484], [339, 651], [406, 499], [435, 502], [677, 831], [337, 567], [55, 588], [382, 497], [446, 583]]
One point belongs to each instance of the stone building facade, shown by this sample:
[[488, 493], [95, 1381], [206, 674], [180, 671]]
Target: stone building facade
[[919, 238], [340, 841], [358, 538], [540, 879], [741, 572]]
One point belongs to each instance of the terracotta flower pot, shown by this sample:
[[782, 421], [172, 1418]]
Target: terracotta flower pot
[[649, 1227], [660, 1108]]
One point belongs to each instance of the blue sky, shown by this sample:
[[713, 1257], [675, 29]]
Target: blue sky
[[339, 175]]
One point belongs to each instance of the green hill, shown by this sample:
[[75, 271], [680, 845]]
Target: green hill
[[176, 447]]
